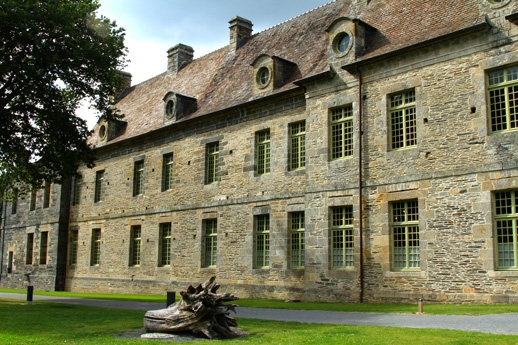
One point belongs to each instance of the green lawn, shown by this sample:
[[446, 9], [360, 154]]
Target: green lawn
[[433, 309], [55, 323]]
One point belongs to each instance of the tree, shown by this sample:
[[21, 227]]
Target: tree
[[53, 54]]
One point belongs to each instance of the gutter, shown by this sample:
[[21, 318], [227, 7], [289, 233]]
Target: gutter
[[4, 207], [483, 26]]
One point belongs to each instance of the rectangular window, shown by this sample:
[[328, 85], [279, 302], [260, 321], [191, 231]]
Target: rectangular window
[[33, 199], [405, 235], [76, 190], [10, 263], [341, 132], [210, 242], [14, 206], [164, 245], [505, 211], [167, 172], [99, 186], [30, 249], [73, 243], [46, 195], [297, 158], [95, 253], [44, 244], [502, 88], [135, 241], [342, 237], [138, 178], [297, 240], [262, 140], [211, 162], [402, 119], [262, 241]]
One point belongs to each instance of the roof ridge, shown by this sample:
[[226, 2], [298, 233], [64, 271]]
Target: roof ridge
[[269, 28], [300, 15]]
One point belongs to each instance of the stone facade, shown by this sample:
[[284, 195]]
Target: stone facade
[[451, 172]]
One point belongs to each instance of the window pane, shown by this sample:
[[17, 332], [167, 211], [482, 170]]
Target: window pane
[[263, 152], [209, 242], [502, 97], [74, 244], [297, 146], [405, 235], [342, 237], [99, 186], [341, 133], [95, 254], [44, 242], [297, 240], [138, 178], [167, 172], [402, 118], [165, 244], [135, 242], [262, 241], [211, 160]]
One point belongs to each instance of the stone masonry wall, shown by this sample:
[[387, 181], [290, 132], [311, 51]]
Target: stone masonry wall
[[452, 172], [18, 225]]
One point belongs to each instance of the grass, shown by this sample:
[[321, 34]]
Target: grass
[[432, 309], [55, 323]]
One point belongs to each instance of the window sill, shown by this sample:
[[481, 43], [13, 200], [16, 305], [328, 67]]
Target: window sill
[[346, 162], [403, 153], [417, 273], [296, 172], [503, 273]]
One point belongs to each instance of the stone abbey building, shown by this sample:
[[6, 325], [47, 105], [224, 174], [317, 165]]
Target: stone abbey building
[[362, 151]]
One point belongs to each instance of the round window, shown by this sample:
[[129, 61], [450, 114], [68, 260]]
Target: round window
[[263, 77], [102, 132], [169, 108], [342, 42], [497, 3]]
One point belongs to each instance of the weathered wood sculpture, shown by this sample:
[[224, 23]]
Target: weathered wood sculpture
[[201, 311]]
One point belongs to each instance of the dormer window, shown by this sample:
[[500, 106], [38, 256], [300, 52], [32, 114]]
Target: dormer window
[[108, 130], [347, 39], [177, 106], [271, 72]]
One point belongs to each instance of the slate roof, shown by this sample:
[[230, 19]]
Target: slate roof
[[221, 80]]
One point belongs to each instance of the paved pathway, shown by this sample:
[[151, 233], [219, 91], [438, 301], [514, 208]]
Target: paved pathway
[[498, 323]]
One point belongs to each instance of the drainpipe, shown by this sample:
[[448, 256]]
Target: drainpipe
[[4, 206], [360, 178]]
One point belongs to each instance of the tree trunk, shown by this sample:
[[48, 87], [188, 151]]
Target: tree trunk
[[201, 311]]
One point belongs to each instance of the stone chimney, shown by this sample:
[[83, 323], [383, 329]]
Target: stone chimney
[[126, 79], [178, 57], [240, 32], [125, 82]]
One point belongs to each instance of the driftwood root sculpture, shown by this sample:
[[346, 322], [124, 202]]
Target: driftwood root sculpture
[[201, 311]]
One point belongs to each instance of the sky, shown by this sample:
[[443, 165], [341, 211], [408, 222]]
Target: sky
[[154, 26]]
